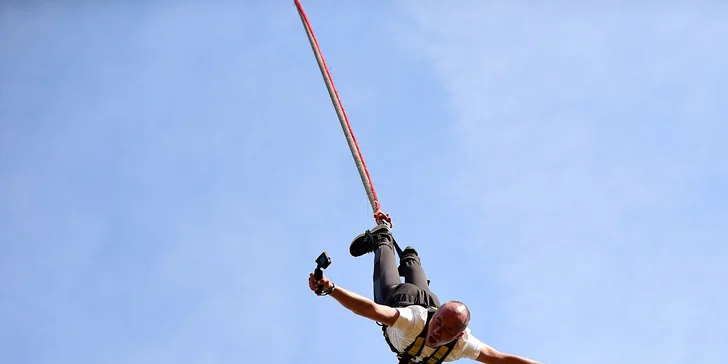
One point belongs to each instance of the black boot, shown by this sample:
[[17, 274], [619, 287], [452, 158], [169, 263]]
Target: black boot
[[409, 253], [405, 266], [366, 242], [410, 250]]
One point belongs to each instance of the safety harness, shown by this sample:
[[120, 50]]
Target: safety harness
[[414, 349]]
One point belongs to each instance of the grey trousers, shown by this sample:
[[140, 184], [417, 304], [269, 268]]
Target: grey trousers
[[389, 289]]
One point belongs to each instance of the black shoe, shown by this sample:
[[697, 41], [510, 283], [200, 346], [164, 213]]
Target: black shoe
[[366, 242], [408, 254], [409, 250]]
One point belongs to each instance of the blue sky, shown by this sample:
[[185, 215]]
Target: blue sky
[[170, 171]]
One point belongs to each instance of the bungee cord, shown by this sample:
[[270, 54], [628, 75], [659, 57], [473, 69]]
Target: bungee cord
[[366, 179]]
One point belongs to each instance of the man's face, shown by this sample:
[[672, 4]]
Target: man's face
[[445, 327]]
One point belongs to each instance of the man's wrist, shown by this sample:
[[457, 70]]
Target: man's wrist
[[328, 291]]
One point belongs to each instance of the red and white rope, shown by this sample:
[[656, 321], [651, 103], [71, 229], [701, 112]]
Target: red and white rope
[[379, 216]]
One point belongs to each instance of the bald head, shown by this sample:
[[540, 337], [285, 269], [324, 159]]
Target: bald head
[[448, 323], [457, 311]]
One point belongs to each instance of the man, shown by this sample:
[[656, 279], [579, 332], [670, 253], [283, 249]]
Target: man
[[409, 310]]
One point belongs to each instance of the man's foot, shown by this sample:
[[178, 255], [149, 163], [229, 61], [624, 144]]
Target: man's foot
[[409, 253], [409, 250], [366, 242]]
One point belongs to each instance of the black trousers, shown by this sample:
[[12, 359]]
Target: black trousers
[[389, 289]]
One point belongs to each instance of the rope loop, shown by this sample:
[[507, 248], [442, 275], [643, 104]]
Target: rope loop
[[380, 217]]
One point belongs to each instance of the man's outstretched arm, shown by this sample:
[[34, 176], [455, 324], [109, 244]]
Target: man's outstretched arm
[[491, 356], [357, 303]]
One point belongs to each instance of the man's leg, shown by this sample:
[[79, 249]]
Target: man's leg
[[386, 276], [410, 267]]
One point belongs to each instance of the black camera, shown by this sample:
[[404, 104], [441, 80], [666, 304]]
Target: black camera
[[322, 262]]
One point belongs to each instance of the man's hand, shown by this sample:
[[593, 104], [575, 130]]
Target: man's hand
[[324, 282]]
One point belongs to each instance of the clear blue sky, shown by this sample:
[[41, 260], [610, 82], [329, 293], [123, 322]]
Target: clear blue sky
[[169, 171]]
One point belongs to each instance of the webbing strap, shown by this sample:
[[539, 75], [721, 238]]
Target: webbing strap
[[414, 349], [440, 354], [436, 358]]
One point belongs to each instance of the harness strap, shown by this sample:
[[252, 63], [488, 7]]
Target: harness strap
[[441, 353], [415, 348]]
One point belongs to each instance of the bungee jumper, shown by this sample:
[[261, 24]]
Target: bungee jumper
[[415, 325], [417, 328]]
